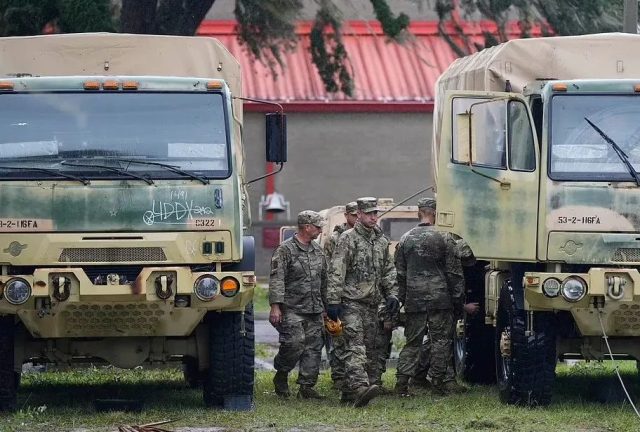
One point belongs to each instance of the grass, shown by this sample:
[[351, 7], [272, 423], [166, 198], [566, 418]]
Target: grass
[[64, 401], [261, 298]]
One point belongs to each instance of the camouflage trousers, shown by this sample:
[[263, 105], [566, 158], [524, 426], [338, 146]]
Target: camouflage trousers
[[300, 341], [424, 362], [360, 327], [336, 355], [439, 323], [383, 352]]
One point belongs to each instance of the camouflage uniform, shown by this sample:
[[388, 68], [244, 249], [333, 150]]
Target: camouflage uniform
[[335, 345], [431, 286], [467, 258], [298, 283], [361, 274], [386, 324]]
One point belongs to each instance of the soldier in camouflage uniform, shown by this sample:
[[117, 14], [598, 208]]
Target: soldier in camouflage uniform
[[386, 324], [361, 274], [467, 259], [431, 287], [335, 345], [297, 294]]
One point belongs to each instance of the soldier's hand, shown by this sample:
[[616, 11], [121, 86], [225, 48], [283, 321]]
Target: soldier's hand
[[334, 311], [392, 305], [472, 308], [275, 315]]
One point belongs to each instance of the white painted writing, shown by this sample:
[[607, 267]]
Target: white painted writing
[[174, 213]]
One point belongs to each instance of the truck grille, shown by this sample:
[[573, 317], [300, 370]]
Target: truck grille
[[626, 255], [141, 254], [95, 319]]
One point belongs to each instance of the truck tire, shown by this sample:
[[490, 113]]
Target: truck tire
[[474, 357], [8, 376], [228, 383], [526, 375]]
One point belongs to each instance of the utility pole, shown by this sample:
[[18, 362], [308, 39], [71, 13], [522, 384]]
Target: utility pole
[[630, 24]]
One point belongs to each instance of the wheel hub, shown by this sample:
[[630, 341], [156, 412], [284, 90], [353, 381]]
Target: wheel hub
[[505, 344]]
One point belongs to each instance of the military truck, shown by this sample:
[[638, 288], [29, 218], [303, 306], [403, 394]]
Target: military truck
[[123, 208], [538, 151]]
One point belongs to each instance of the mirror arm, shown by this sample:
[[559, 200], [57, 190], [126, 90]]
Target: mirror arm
[[266, 175], [260, 101]]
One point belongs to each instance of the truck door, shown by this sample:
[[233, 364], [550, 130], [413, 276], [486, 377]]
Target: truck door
[[488, 174]]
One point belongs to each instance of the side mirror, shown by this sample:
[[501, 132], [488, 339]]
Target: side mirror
[[276, 127], [463, 137]]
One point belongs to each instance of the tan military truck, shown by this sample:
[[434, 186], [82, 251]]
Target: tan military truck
[[538, 150], [122, 207]]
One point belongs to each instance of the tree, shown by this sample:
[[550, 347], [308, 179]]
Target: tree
[[266, 27], [567, 17]]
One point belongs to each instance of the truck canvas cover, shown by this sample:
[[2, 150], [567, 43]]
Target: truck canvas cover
[[124, 54], [522, 61]]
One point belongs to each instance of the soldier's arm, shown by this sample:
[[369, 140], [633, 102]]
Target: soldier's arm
[[401, 271], [329, 245], [323, 282], [337, 269], [279, 263], [454, 273], [389, 276]]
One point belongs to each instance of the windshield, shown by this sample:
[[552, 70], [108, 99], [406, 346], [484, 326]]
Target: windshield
[[579, 151], [394, 228], [87, 133]]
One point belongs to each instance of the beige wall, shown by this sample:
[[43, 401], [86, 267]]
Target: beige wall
[[337, 157]]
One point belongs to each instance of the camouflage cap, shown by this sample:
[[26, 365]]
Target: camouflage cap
[[367, 204], [427, 203], [351, 208], [310, 217]]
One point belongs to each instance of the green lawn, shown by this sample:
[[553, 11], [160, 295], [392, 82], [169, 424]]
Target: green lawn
[[261, 298], [63, 401]]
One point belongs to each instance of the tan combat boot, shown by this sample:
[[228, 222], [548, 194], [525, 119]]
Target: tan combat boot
[[281, 384], [364, 395], [307, 392], [402, 386]]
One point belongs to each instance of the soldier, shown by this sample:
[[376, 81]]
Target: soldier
[[335, 345], [297, 294], [361, 274], [431, 287], [467, 259]]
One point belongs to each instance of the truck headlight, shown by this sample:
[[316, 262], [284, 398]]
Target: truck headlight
[[17, 291], [551, 287], [206, 287], [573, 289]]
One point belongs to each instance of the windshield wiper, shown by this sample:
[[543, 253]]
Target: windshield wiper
[[173, 168], [82, 180], [108, 168], [621, 154]]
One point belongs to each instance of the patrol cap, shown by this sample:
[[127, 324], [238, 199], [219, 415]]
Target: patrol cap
[[351, 208], [367, 204], [310, 217], [429, 203]]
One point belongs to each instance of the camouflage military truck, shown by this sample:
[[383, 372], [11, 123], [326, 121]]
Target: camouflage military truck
[[122, 207], [538, 150]]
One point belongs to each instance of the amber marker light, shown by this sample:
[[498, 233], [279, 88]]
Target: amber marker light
[[91, 85], [130, 85], [111, 85], [214, 85], [636, 88], [532, 280], [6, 85], [229, 287], [559, 87]]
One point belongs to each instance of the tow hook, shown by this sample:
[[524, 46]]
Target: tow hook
[[505, 344]]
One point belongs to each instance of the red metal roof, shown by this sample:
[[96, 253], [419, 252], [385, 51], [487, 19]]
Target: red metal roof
[[387, 76]]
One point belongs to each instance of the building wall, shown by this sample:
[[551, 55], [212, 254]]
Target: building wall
[[334, 158]]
